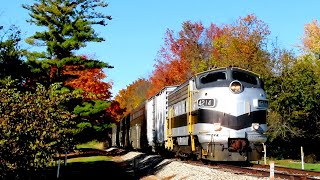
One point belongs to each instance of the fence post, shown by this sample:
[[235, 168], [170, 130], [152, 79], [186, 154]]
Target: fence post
[[65, 158], [271, 170], [302, 158], [265, 153], [58, 169]]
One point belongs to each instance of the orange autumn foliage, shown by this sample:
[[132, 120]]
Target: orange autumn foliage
[[196, 49], [133, 95], [311, 37], [176, 57], [243, 45], [115, 112], [90, 81]]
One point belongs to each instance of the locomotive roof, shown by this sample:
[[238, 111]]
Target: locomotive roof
[[210, 70], [225, 68]]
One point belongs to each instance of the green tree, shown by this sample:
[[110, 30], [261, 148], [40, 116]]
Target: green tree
[[68, 26], [11, 64], [34, 127], [95, 121], [293, 119]]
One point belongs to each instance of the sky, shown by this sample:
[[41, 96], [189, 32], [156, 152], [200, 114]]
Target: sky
[[137, 30]]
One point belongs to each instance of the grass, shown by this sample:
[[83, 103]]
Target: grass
[[294, 164], [89, 159], [92, 144], [297, 165]]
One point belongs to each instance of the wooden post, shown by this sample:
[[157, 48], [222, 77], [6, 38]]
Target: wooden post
[[65, 158], [271, 170], [302, 157], [265, 154], [58, 170]]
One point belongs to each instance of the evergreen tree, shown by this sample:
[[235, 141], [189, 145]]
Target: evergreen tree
[[11, 65], [68, 26]]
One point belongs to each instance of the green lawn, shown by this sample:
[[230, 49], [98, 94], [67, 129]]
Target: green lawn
[[92, 144], [294, 164], [298, 165], [89, 159]]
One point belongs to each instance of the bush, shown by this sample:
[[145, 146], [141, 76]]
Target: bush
[[311, 158], [34, 127]]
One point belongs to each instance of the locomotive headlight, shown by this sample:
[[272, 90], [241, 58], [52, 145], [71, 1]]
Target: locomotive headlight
[[217, 126], [255, 126], [235, 87]]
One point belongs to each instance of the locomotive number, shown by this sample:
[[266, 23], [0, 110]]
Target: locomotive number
[[206, 102]]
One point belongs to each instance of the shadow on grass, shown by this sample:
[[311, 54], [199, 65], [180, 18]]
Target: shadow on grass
[[78, 170], [139, 166], [94, 170], [131, 169], [88, 152]]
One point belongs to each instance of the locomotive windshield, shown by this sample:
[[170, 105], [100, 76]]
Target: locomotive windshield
[[223, 78], [244, 77], [212, 77]]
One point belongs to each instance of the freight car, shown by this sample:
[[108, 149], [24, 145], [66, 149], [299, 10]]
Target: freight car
[[216, 115]]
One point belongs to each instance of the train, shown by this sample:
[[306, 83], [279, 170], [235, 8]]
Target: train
[[216, 115]]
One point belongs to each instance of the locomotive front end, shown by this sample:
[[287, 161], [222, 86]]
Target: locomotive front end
[[231, 115]]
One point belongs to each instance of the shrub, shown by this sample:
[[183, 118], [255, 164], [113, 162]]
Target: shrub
[[311, 158]]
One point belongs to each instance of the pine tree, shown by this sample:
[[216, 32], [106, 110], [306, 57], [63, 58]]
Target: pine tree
[[68, 26], [11, 64]]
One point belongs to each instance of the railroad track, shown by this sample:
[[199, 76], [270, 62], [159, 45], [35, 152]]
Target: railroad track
[[279, 172], [260, 170], [256, 170]]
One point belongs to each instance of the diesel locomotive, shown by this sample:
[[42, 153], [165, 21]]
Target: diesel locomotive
[[216, 115]]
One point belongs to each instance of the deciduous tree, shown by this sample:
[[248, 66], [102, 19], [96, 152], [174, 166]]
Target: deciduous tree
[[34, 127], [293, 119], [243, 44], [180, 57], [197, 49], [311, 37], [90, 81], [133, 95]]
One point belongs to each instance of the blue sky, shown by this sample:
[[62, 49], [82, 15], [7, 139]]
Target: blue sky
[[137, 30]]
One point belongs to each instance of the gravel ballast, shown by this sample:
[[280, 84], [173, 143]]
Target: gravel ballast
[[157, 168]]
